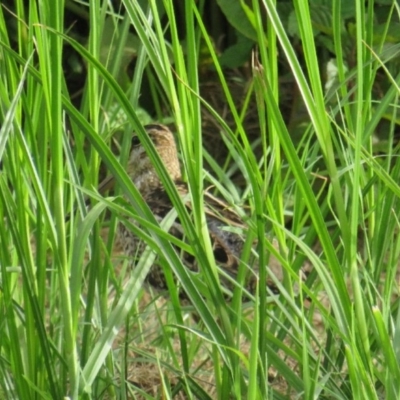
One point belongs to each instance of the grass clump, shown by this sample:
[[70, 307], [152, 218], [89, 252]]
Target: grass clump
[[321, 200]]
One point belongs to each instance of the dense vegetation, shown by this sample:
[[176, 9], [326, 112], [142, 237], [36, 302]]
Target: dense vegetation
[[288, 112]]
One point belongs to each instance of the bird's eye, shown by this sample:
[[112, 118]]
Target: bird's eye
[[135, 141]]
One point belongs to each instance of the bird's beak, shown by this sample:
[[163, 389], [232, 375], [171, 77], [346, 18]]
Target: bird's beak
[[107, 184]]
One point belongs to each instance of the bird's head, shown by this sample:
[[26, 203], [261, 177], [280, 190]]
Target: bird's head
[[140, 168]]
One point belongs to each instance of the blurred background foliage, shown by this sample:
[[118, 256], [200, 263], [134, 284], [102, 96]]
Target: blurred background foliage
[[229, 23]]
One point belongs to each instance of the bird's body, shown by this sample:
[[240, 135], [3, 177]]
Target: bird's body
[[227, 245]]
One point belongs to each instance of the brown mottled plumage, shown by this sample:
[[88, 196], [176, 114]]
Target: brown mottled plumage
[[140, 169], [227, 246]]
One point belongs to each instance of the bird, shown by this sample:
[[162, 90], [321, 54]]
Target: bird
[[227, 244]]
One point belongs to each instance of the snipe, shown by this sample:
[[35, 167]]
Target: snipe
[[227, 245]]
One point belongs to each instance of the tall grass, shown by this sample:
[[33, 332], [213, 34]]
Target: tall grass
[[73, 315]]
